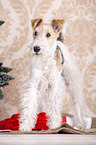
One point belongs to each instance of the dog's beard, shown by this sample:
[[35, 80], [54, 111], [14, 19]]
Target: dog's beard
[[34, 62]]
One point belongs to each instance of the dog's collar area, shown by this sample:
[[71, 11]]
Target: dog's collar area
[[37, 53], [60, 38], [61, 54]]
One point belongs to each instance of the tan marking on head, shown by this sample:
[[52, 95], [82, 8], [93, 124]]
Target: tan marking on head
[[53, 36], [36, 22], [44, 29], [54, 29], [57, 24]]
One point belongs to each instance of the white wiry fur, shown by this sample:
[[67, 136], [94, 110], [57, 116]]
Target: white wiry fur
[[44, 90], [73, 78]]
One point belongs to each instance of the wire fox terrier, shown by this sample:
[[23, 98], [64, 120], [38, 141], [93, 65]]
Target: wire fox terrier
[[45, 90]]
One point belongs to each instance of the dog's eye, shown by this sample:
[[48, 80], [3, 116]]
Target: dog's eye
[[35, 33], [48, 35]]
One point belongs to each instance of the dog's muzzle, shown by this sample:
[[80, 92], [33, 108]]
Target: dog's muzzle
[[36, 49]]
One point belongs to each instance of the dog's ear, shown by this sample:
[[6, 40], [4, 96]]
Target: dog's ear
[[36, 22], [57, 24]]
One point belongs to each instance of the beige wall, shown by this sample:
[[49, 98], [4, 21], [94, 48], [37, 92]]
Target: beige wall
[[16, 35]]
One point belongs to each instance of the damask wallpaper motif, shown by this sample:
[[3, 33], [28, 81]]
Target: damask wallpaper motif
[[16, 36]]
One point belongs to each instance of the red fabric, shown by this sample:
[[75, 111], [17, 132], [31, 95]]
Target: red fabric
[[41, 122], [10, 123], [13, 122]]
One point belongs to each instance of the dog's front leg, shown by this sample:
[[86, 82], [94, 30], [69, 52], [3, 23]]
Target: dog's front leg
[[28, 115], [54, 107]]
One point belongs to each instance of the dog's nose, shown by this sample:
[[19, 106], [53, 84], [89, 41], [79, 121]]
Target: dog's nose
[[36, 48]]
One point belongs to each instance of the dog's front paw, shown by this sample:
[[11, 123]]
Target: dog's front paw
[[81, 124], [87, 122], [24, 127], [54, 124]]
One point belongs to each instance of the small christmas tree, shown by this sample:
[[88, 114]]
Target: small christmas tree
[[1, 22], [4, 77]]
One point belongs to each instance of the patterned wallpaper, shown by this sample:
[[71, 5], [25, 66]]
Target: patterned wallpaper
[[16, 36]]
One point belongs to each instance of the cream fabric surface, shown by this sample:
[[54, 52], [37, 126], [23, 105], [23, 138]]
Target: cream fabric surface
[[16, 36]]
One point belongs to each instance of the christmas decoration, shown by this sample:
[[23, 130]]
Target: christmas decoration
[[1, 22], [4, 77]]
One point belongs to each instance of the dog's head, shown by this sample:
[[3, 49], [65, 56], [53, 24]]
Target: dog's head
[[45, 36]]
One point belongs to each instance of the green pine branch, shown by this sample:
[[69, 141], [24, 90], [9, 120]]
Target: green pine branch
[[1, 95], [4, 77], [1, 22]]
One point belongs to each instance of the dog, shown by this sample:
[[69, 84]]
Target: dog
[[45, 89]]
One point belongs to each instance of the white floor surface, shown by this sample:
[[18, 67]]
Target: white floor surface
[[51, 139]]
